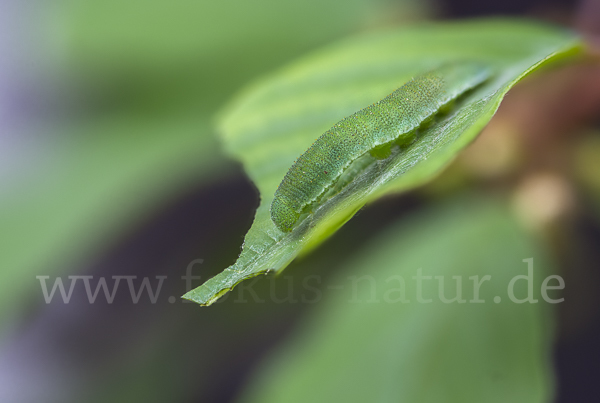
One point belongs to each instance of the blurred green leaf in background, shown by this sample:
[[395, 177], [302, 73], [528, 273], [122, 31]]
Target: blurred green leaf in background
[[378, 335]]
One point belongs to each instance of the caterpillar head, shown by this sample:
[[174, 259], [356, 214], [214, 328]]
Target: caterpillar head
[[283, 215]]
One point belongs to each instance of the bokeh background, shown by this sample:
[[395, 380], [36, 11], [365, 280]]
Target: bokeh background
[[110, 165]]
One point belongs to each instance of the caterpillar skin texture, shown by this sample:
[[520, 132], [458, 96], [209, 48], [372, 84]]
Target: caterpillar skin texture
[[394, 118]]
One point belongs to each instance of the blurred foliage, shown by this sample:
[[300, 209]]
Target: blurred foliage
[[108, 174], [586, 159], [370, 339], [275, 120], [172, 53]]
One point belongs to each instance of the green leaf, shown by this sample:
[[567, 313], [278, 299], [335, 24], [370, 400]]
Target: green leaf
[[82, 195], [275, 120], [367, 342], [183, 50]]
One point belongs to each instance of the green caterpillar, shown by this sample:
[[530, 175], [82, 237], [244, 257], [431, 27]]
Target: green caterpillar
[[375, 129]]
